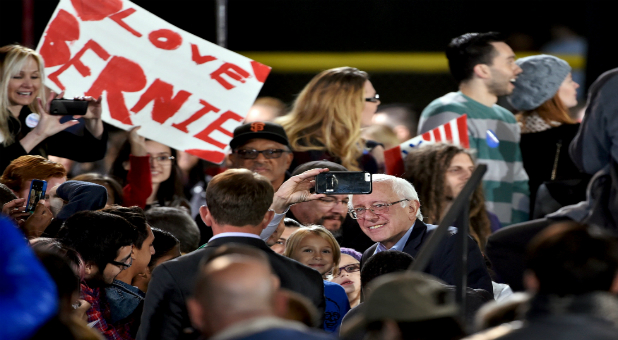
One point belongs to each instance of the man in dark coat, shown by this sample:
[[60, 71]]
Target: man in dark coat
[[391, 216], [238, 209]]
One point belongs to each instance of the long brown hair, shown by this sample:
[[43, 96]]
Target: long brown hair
[[327, 115], [426, 169], [551, 110]]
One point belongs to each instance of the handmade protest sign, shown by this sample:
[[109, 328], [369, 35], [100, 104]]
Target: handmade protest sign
[[185, 92], [454, 131]]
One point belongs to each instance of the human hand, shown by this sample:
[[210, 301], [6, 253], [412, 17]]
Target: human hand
[[296, 190], [48, 124], [81, 310], [37, 222], [15, 210], [138, 143], [94, 107]]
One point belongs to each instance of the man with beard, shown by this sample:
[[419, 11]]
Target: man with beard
[[330, 211], [105, 243], [485, 69]]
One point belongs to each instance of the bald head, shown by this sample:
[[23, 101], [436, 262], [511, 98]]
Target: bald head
[[232, 288]]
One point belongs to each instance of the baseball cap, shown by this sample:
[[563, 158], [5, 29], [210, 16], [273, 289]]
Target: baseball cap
[[262, 130]]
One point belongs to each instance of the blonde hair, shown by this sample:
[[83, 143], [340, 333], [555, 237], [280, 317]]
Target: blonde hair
[[294, 241], [12, 59], [327, 115]]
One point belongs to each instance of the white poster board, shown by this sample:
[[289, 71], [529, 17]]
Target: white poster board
[[185, 92]]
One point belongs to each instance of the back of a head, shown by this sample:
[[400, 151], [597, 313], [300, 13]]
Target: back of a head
[[164, 242], [384, 262], [235, 284], [178, 223], [59, 268], [468, 50], [569, 258], [135, 216], [97, 236], [26, 168], [114, 189], [239, 197]]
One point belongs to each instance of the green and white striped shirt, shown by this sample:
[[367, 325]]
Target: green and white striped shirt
[[494, 137]]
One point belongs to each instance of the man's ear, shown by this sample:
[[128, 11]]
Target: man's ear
[[531, 282], [288, 161], [196, 313], [90, 269], [205, 215], [482, 71], [267, 218], [413, 207], [126, 165]]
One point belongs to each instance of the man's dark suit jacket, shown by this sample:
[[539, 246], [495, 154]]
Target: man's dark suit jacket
[[443, 263], [165, 313]]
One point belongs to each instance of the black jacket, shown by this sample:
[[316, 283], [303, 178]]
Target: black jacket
[[75, 143], [590, 316], [443, 263], [165, 313]]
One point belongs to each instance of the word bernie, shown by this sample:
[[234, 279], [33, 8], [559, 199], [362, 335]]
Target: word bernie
[[184, 91]]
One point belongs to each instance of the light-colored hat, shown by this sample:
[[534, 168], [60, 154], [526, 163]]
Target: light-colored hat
[[540, 80], [401, 297]]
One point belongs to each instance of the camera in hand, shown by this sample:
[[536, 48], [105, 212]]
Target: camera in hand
[[343, 182], [68, 107]]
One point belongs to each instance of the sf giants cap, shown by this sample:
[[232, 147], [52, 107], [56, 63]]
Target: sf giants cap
[[263, 130]]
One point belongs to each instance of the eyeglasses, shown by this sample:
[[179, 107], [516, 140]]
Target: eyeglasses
[[253, 154], [376, 208], [373, 99], [162, 159], [122, 265], [351, 268], [332, 201]]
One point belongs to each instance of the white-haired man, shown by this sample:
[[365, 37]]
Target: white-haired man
[[391, 217]]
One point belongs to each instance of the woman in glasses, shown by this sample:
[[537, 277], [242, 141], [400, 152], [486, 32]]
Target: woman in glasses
[[315, 247], [149, 174], [326, 119], [348, 275]]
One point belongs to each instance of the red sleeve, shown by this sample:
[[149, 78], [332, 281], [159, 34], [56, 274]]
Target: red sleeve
[[139, 182]]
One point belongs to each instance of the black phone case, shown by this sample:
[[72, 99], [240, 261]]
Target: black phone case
[[343, 182], [68, 107]]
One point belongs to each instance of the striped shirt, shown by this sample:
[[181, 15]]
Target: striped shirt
[[494, 137]]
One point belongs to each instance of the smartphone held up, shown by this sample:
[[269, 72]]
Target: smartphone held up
[[37, 193], [343, 182]]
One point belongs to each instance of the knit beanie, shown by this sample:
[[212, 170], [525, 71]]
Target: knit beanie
[[540, 80]]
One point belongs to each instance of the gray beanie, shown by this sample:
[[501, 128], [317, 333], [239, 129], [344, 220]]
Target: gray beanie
[[540, 80]]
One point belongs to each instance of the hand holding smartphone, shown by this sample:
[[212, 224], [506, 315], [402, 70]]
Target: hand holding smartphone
[[37, 193], [68, 107], [343, 182]]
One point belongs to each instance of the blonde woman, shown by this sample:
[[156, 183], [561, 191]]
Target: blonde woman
[[326, 119], [315, 247], [26, 127]]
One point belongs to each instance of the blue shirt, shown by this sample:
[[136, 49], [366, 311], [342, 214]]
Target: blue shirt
[[337, 306], [399, 245]]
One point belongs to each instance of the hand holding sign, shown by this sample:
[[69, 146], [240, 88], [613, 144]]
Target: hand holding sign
[[185, 92]]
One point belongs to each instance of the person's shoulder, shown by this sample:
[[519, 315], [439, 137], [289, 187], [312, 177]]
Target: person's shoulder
[[452, 102], [291, 266], [287, 333]]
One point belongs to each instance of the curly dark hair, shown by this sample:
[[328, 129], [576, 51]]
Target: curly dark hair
[[426, 169]]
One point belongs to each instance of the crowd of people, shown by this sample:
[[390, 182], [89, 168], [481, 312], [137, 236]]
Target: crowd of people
[[162, 245]]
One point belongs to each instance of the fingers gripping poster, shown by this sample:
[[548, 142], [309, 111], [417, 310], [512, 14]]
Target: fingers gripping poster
[[183, 91]]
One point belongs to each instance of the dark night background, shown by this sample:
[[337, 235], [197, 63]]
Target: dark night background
[[364, 25]]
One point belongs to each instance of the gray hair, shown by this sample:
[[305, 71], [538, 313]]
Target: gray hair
[[400, 187]]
